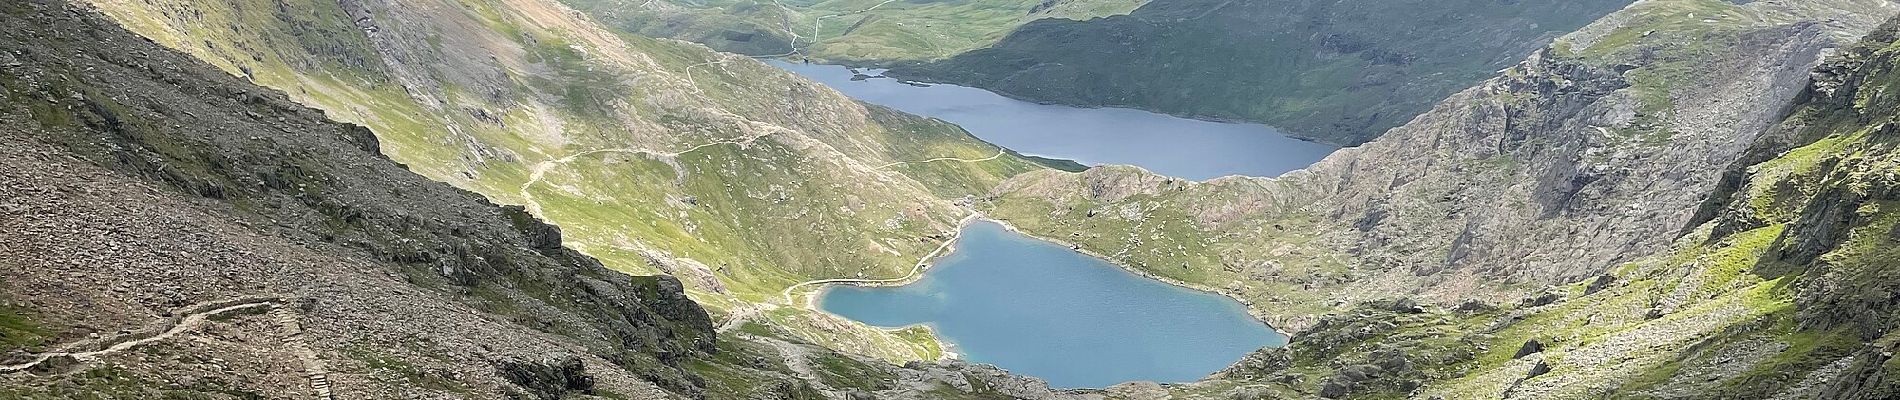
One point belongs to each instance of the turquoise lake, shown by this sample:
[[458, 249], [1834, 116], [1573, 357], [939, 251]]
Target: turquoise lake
[[1040, 309], [1165, 144]]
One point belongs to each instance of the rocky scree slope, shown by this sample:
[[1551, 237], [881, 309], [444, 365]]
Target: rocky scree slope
[[196, 236], [139, 181], [1340, 72], [654, 156], [1594, 152]]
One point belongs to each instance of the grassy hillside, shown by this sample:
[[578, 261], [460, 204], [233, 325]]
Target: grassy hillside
[[653, 156], [851, 31], [1335, 71]]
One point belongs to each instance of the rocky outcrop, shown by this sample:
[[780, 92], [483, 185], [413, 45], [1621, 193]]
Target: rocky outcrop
[[551, 379]]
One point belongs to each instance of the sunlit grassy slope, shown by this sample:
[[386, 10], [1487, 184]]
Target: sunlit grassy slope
[[655, 156]]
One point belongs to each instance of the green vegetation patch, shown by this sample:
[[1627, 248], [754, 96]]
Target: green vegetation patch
[[839, 371], [20, 329]]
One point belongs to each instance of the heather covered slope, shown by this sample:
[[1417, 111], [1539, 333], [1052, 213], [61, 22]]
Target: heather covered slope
[[655, 156], [1334, 71]]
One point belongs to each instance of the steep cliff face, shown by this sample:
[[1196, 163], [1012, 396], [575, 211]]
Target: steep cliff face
[[1335, 71], [655, 156], [1594, 152], [1837, 195], [1582, 157], [1783, 289]]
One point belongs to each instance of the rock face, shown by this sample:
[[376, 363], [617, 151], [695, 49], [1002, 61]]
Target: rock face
[[550, 379], [1805, 214], [1568, 164], [1335, 71], [1838, 211]]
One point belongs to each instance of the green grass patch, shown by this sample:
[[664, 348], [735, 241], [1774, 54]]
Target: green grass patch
[[20, 329]]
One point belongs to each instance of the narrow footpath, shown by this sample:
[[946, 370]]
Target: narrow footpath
[[195, 317], [915, 269]]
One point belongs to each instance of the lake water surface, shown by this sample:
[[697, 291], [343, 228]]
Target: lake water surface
[[1040, 309], [1161, 143]]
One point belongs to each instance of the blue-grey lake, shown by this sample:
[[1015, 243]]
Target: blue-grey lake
[[1040, 309], [1165, 144]]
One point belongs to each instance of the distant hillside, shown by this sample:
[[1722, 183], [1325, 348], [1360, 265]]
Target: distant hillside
[[850, 31], [1334, 71]]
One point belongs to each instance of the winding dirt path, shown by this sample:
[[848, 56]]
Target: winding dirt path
[[738, 318], [540, 170], [798, 359], [189, 322], [689, 73], [196, 316]]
